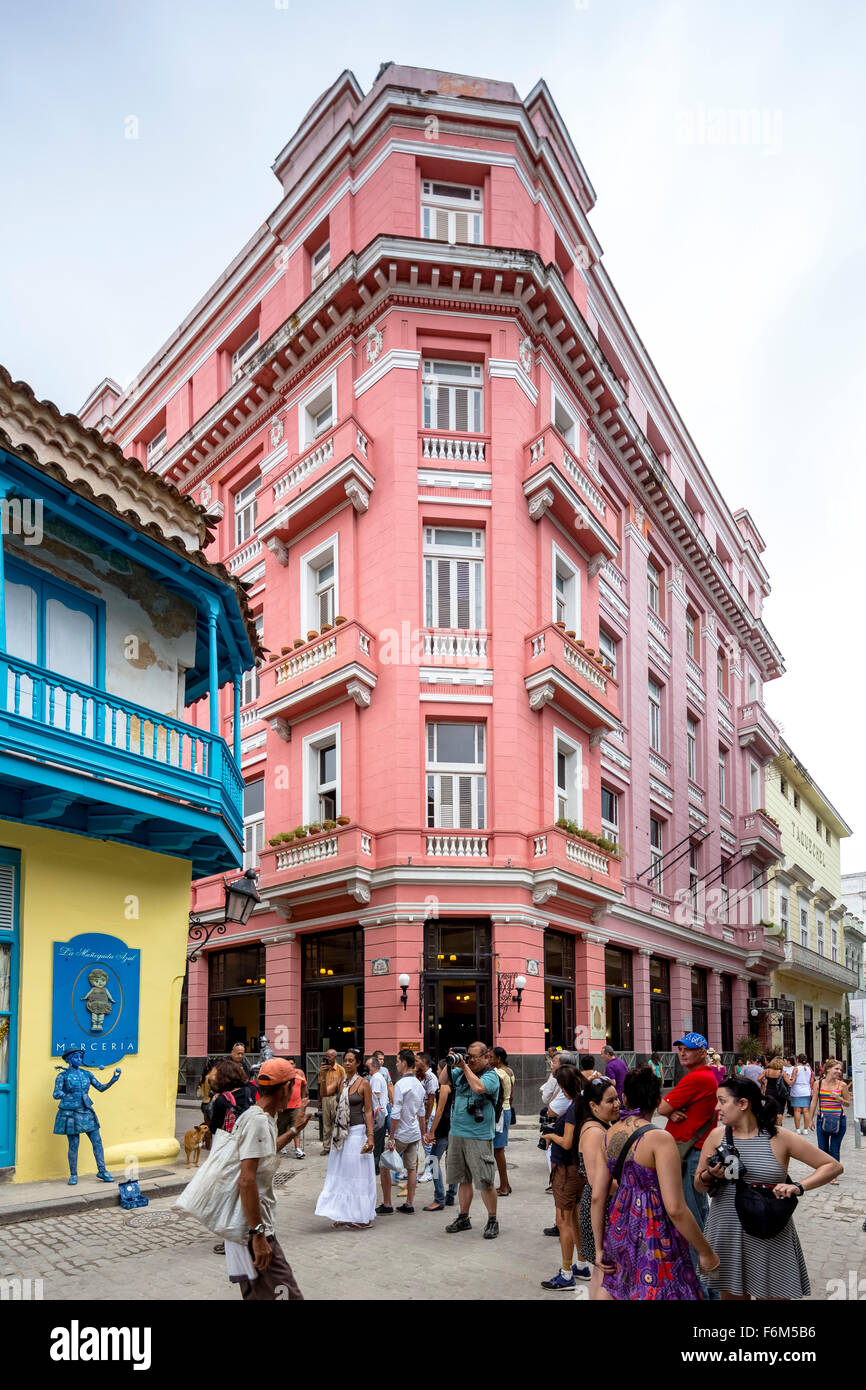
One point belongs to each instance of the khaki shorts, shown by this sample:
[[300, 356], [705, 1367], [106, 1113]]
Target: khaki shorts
[[408, 1150], [470, 1160], [568, 1183]]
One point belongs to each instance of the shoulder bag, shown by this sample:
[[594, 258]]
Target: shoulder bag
[[632, 1139], [760, 1213], [685, 1146]]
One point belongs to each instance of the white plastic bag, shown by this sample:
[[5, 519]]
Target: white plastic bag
[[213, 1197]]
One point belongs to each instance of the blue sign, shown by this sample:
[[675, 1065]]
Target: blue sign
[[95, 998]]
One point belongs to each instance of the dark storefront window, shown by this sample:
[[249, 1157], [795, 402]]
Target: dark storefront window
[[332, 991], [660, 1004], [618, 998], [457, 984], [236, 998], [699, 1000], [558, 990], [726, 1000]]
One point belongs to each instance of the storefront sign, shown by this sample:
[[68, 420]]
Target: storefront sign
[[95, 998], [380, 966], [414, 1045], [597, 1013], [532, 967]]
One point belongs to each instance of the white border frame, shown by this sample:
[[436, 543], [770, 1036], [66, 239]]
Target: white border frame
[[306, 581], [310, 748]]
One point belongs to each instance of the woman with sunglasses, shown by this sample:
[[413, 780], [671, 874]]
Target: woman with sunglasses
[[597, 1111]]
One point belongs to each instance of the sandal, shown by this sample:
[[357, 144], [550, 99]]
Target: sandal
[[434, 1206], [506, 1193]]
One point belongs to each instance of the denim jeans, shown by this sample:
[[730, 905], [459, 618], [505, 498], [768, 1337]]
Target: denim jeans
[[437, 1152], [699, 1206], [831, 1143]]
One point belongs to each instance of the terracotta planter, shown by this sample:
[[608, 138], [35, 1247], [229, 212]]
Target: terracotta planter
[[561, 626], [344, 820], [340, 619], [312, 635], [570, 632], [327, 627], [298, 642]]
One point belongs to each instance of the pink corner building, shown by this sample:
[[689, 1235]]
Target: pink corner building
[[509, 740]]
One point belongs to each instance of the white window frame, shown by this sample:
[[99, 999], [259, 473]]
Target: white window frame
[[693, 635], [785, 916], [834, 942], [435, 772], [723, 775], [565, 418], [327, 552], [657, 854], [754, 786], [653, 588], [320, 264], [721, 681], [692, 747], [438, 375], [804, 925], [819, 931], [569, 601], [311, 406], [254, 833], [436, 552], [573, 789], [694, 872], [243, 353], [250, 678], [156, 447], [311, 747], [610, 657], [752, 684], [757, 896], [246, 511], [609, 828], [469, 201], [655, 715]]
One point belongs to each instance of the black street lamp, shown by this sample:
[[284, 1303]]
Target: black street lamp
[[241, 897]]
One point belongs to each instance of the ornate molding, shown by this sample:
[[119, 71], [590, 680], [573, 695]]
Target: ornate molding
[[543, 895], [358, 890], [595, 937], [374, 345], [596, 738], [596, 564], [357, 495], [282, 727], [359, 692], [540, 504], [278, 429], [278, 548], [542, 696]]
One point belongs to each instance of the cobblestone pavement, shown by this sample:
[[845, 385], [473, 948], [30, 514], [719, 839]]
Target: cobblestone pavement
[[157, 1253]]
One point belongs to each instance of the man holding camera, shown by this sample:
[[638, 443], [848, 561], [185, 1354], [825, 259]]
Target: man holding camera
[[473, 1125]]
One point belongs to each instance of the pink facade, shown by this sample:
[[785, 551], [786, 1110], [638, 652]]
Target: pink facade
[[434, 447]]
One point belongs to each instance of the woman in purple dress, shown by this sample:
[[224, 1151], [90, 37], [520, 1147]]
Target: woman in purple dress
[[649, 1227]]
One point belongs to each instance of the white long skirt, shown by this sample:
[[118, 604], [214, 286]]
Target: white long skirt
[[349, 1193]]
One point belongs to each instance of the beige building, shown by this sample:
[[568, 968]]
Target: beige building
[[808, 991]]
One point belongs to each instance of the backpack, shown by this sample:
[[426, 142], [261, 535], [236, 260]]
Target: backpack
[[231, 1114], [498, 1103]]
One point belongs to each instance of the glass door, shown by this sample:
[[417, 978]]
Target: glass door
[[457, 1013]]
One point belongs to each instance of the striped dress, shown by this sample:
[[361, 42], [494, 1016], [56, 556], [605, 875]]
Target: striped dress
[[763, 1268]]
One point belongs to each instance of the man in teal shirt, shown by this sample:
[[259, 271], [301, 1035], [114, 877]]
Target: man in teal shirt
[[470, 1143]]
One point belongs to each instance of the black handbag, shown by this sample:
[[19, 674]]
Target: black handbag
[[760, 1213]]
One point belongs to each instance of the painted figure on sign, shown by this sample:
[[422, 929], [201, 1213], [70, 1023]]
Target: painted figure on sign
[[76, 1115], [97, 1001]]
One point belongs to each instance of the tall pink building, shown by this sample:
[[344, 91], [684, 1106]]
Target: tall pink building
[[513, 623]]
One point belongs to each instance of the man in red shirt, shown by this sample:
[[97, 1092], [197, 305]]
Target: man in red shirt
[[691, 1110], [295, 1114]]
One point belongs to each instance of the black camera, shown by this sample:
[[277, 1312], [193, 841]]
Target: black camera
[[455, 1056], [546, 1125], [730, 1160], [475, 1108]]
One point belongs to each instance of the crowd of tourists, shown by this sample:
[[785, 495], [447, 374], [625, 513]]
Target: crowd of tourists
[[699, 1207]]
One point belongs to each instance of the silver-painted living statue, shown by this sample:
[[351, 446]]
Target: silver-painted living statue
[[76, 1115]]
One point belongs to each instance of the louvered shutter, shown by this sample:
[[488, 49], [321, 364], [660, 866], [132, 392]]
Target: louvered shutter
[[441, 224], [461, 226], [479, 595], [463, 591], [446, 802], [443, 593], [465, 821], [7, 897], [429, 620], [461, 408], [443, 421]]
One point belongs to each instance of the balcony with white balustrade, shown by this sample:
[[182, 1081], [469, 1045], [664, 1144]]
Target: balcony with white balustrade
[[469, 451], [561, 668], [756, 731], [556, 482], [309, 484], [335, 663]]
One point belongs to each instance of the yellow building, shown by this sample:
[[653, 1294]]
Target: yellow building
[[808, 991], [111, 622]]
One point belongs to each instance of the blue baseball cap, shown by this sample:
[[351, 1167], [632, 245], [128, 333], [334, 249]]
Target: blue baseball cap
[[693, 1040]]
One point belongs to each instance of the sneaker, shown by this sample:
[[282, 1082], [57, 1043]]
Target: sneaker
[[462, 1223], [449, 1199], [384, 1211], [406, 1207], [299, 1153], [552, 1231], [491, 1230], [558, 1282], [582, 1271]]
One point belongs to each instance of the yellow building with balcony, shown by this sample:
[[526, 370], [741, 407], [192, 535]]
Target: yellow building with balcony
[[807, 991]]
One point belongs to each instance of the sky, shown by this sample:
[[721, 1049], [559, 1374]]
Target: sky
[[725, 142]]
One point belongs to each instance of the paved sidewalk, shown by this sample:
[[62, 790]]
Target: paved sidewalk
[[157, 1253]]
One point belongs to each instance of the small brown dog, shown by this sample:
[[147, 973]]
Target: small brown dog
[[194, 1141]]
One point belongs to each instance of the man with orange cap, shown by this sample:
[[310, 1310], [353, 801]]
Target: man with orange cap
[[259, 1152]]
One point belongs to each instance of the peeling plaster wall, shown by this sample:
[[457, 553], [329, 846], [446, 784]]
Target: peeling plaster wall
[[150, 632]]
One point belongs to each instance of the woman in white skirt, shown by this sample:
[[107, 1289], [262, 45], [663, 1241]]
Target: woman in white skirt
[[349, 1195]]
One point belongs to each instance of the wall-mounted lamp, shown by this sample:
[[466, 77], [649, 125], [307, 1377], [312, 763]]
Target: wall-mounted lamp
[[403, 982], [520, 986]]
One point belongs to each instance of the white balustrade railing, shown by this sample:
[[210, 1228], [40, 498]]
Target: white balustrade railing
[[659, 764], [582, 664], [613, 576], [313, 656], [583, 484], [366, 843], [657, 626], [457, 846], [538, 645], [455, 644], [243, 557], [580, 853], [306, 465], [362, 441], [694, 670], [364, 642], [466, 450], [662, 908], [536, 450], [539, 845], [317, 847], [696, 793]]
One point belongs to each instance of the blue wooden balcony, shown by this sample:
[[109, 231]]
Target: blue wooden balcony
[[76, 758]]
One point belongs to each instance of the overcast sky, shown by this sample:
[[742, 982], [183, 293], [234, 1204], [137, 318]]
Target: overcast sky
[[738, 247]]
